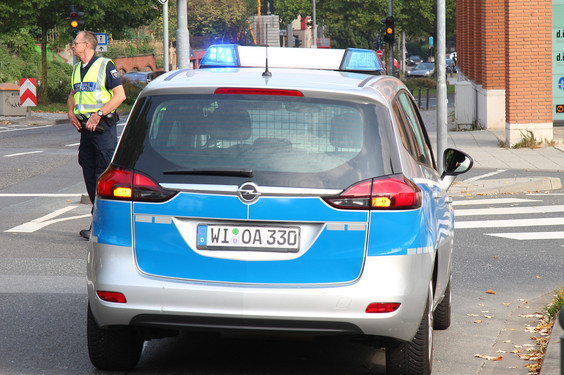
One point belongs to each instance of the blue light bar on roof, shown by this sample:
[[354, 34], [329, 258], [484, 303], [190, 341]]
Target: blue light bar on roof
[[221, 55], [361, 60]]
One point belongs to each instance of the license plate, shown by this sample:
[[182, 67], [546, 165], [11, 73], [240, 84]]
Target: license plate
[[235, 237]]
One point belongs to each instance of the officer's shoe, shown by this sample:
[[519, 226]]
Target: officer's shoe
[[85, 233]]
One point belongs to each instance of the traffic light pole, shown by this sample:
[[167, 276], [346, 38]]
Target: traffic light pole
[[390, 45]]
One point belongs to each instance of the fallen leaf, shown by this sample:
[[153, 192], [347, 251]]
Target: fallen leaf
[[506, 341], [489, 291], [477, 321], [488, 316], [473, 315], [488, 357]]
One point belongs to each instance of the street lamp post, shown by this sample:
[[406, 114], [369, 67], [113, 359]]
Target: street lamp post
[[314, 45]]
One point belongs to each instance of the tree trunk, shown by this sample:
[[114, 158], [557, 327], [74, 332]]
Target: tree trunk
[[43, 93]]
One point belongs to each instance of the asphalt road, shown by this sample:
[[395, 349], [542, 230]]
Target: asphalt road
[[43, 294]]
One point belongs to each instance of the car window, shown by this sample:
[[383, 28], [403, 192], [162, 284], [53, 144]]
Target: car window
[[405, 133], [423, 152], [286, 142]]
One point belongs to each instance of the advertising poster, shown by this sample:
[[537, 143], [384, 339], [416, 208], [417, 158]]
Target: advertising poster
[[558, 61]]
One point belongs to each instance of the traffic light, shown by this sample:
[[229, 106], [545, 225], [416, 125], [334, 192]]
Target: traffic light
[[388, 29], [297, 41], [75, 21]]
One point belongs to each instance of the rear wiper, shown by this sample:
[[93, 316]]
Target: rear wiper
[[212, 172]]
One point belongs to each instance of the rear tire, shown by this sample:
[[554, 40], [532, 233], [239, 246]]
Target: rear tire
[[113, 349], [414, 357], [441, 315]]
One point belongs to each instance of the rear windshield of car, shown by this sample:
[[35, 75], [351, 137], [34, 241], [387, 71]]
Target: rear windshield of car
[[274, 141]]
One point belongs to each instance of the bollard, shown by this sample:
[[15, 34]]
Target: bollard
[[419, 98], [427, 104]]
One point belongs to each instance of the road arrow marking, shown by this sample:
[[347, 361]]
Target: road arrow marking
[[43, 221]]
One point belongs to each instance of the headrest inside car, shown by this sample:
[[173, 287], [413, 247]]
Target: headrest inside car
[[230, 124], [346, 131]]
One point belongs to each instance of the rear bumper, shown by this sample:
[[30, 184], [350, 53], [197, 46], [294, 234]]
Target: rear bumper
[[182, 304]]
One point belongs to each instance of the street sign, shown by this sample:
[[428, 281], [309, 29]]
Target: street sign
[[28, 92], [380, 53], [102, 39], [102, 48], [163, 2]]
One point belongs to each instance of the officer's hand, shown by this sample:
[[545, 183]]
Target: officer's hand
[[93, 122], [74, 122]]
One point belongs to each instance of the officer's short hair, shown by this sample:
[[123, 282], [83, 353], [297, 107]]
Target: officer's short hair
[[90, 37]]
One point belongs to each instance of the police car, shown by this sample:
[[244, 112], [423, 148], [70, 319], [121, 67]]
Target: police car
[[274, 189]]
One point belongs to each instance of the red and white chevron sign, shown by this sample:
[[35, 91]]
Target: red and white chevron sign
[[28, 92]]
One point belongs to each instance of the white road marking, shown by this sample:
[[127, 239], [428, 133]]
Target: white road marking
[[22, 127], [477, 202], [509, 223], [475, 178], [23, 153], [509, 210], [45, 195], [43, 221], [530, 236]]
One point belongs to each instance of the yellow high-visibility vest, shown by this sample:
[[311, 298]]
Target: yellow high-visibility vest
[[90, 93]]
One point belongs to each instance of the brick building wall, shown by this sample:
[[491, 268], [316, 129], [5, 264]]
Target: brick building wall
[[528, 49], [504, 49]]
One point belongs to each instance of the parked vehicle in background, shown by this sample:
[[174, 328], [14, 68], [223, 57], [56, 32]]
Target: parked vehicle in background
[[424, 70], [298, 194], [141, 77], [413, 60]]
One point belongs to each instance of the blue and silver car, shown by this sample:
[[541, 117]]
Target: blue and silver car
[[253, 196]]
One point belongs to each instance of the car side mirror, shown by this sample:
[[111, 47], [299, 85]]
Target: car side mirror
[[455, 162]]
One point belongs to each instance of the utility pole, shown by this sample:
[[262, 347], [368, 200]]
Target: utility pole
[[165, 36], [442, 104], [182, 36]]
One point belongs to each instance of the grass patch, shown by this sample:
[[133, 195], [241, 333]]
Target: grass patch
[[528, 141], [552, 310]]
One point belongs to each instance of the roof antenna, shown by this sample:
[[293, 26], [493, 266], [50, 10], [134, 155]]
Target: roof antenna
[[266, 73]]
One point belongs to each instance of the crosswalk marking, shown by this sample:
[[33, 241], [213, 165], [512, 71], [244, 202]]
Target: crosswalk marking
[[530, 235], [535, 222], [478, 202], [478, 218], [509, 210]]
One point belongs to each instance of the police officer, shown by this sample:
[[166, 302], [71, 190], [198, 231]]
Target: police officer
[[91, 107]]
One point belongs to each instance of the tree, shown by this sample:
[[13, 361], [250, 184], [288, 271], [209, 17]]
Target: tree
[[220, 19], [357, 23], [45, 15]]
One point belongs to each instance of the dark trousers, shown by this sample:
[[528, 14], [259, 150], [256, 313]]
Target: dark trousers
[[94, 155]]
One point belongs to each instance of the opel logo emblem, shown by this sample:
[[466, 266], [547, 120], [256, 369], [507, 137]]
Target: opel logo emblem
[[248, 192]]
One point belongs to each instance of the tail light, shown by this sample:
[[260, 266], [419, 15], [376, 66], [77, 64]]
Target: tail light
[[125, 184], [382, 308], [389, 193], [115, 297]]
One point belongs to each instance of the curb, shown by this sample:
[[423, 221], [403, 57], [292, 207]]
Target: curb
[[552, 361], [505, 186]]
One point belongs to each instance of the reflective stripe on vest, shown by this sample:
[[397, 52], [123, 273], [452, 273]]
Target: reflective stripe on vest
[[90, 93]]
